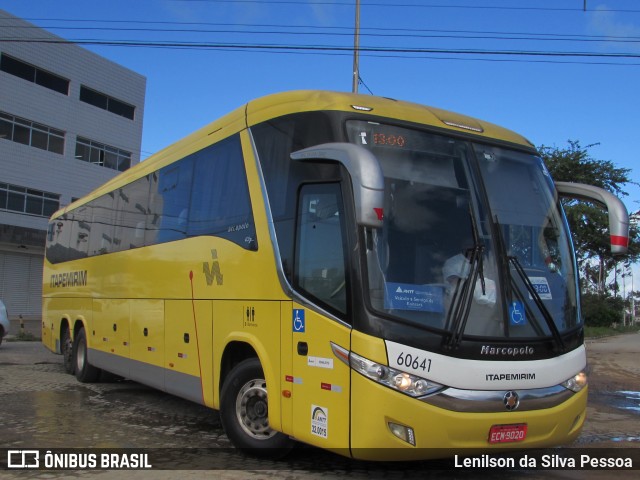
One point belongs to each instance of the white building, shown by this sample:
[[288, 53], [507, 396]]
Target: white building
[[69, 121]]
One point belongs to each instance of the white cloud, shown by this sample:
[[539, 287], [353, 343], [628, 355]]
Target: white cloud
[[604, 22]]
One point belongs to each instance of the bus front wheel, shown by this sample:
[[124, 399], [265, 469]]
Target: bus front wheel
[[85, 372], [245, 415]]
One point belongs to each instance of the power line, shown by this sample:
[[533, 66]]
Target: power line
[[321, 48], [442, 34], [349, 4], [348, 30], [361, 82]]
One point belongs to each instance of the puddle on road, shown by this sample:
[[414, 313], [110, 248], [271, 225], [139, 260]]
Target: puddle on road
[[631, 400], [627, 400], [625, 439]]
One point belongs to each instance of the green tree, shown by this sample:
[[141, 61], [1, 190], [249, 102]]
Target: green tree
[[588, 221], [601, 310]]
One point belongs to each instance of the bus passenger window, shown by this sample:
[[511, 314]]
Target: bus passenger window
[[220, 203], [320, 258]]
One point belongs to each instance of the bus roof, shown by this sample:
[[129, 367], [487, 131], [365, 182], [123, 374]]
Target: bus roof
[[279, 104]]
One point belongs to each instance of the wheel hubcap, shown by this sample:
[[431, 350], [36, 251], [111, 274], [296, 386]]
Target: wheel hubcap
[[252, 410], [80, 356]]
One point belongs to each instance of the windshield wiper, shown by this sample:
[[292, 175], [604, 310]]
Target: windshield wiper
[[538, 301], [508, 280], [461, 303]]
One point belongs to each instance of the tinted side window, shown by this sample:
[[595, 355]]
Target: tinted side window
[[59, 239], [80, 231], [205, 193], [275, 140], [320, 246], [131, 215], [102, 225], [169, 202], [220, 202]]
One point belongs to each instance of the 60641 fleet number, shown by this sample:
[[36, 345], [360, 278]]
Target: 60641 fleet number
[[415, 362]]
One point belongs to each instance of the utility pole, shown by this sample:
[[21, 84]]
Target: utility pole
[[356, 51], [633, 302]]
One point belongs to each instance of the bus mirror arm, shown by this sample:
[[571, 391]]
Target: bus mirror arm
[[618, 215], [366, 174]]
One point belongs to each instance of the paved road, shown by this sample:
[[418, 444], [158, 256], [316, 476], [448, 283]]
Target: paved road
[[42, 407]]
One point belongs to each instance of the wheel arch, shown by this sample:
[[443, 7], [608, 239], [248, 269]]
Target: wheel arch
[[64, 325], [78, 324], [239, 349], [234, 352], [65, 321]]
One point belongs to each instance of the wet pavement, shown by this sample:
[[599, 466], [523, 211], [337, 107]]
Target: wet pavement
[[43, 407]]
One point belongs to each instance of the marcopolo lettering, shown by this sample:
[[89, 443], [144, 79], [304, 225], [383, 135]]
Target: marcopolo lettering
[[69, 279], [508, 351]]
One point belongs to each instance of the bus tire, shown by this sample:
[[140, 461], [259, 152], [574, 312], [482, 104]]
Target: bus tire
[[85, 372], [66, 345], [244, 413]]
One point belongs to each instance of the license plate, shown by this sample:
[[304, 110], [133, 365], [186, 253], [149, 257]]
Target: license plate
[[507, 433]]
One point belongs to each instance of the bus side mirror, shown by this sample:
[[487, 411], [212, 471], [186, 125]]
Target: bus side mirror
[[367, 179], [618, 216]]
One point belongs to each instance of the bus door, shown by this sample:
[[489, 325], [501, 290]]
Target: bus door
[[319, 381]]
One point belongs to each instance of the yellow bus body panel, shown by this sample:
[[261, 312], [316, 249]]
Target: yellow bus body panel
[[256, 323], [443, 433], [319, 382], [109, 329]]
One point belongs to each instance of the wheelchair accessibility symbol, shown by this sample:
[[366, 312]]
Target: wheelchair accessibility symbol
[[517, 314], [298, 320]]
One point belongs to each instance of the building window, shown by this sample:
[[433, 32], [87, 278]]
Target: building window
[[103, 155], [34, 74], [27, 200], [106, 102], [31, 133]]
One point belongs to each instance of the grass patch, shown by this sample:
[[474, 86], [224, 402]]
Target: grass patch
[[597, 332], [23, 336]]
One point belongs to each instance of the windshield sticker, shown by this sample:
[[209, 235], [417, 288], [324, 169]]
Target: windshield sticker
[[517, 314], [422, 298], [541, 285]]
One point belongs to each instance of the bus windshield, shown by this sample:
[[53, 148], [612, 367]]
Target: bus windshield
[[473, 241]]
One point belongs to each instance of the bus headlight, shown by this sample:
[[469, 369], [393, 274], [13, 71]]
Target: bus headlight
[[577, 382], [395, 379]]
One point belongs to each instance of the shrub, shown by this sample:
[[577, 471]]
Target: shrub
[[601, 310]]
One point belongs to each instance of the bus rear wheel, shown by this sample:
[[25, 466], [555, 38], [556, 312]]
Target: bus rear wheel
[[66, 344], [85, 372], [245, 414]]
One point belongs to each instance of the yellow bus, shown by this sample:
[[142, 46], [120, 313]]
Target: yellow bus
[[378, 278]]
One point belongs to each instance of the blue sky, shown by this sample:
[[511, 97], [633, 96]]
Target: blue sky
[[550, 99]]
